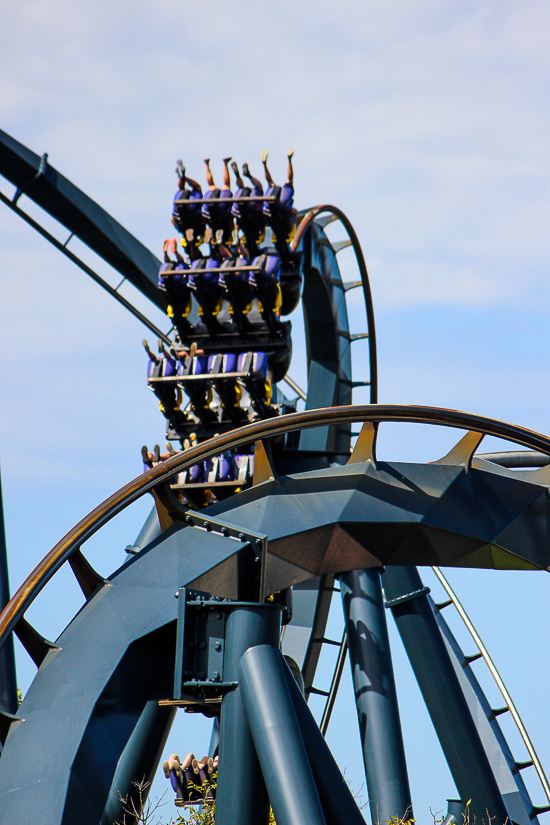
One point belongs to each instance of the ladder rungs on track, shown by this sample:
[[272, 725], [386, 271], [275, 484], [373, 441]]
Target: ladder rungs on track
[[473, 658], [499, 711], [521, 766], [318, 692], [322, 640]]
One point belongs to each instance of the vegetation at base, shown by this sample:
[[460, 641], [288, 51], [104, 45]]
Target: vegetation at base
[[144, 812]]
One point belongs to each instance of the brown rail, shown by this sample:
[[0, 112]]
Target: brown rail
[[269, 428]]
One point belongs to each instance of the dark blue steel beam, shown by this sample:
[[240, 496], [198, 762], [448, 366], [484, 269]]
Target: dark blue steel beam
[[375, 696], [241, 794], [278, 740], [361, 515], [138, 762], [336, 798], [34, 177], [442, 693], [8, 680]]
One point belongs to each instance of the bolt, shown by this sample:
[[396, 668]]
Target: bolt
[[206, 525], [215, 676], [203, 645], [218, 616], [218, 646], [188, 519], [242, 537]]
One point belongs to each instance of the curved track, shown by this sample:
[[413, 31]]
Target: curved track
[[136, 608]]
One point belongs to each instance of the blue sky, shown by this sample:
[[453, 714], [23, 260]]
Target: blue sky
[[427, 123]]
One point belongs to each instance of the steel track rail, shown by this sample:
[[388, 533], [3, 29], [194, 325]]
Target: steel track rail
[[375, 413], [85, 268], [346, 223], [310, 217], [498, 679]]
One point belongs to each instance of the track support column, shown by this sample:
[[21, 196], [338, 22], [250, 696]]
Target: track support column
[[336, 798], [375, 695], [455, 728], [278, 738], [241, 795]]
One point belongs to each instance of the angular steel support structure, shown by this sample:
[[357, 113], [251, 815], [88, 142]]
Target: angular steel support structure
[[278, 739], [241, 793], [446, 703], [375, 695]]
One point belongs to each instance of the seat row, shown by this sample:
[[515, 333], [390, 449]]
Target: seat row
[[198, 375], [234, 278], [200, 482], [247, 212], [223, 468], [191, 780]]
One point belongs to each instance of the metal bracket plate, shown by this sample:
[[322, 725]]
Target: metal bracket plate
[[407, 597]]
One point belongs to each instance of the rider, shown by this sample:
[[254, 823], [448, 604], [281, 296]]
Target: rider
[[187, 217], [192, 779], [289, 174], [249, 217], [218, 215], [280, 214], [173, 277]]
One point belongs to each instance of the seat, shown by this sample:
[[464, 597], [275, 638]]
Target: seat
[[198, 392], [206, 287], [229, 390], [244, 467], [240, 209], [193, 366], [254, 363], [218, 215], [188, 216], [265, 281], [219, 364], [235, 283], [209, 209], [269, 207], [256, 381], [173, 280]]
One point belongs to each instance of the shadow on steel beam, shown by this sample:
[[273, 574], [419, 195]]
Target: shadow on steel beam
[[303, 780]]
